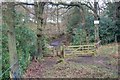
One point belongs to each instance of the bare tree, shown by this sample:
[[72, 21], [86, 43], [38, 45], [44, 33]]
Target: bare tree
[[39, 7], [96, 18]]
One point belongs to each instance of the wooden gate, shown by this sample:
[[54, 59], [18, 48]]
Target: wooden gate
[[79, 50]]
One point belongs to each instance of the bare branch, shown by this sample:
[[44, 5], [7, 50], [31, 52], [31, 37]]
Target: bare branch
[[90, 4], [66, 11], [27, 9], [22, 3], [59, 9], [77, 4], [90, 7], [65, 4]]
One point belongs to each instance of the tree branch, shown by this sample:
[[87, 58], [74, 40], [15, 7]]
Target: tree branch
[[90, 7], [22, 3], [77, 4], [66, 11], [27, 9], [65, 4]]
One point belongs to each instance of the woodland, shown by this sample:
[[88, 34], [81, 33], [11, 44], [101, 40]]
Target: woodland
[[60, 39]]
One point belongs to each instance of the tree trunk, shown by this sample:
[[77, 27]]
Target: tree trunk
[[117, 6], [10, 15], [1, 45], [97, 39], [117, 17], [83, 24], [1, 49], [96, 18], [39, 7], [58, 20]]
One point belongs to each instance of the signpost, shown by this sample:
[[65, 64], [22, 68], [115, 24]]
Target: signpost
[[96, 23]]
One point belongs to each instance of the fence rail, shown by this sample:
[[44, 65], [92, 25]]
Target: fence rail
[[7, 69], [80, 50]]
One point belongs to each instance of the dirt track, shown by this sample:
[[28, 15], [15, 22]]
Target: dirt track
[[102, 65], [79, 66]]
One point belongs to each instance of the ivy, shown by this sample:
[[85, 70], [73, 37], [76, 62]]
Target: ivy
[[25, 43]]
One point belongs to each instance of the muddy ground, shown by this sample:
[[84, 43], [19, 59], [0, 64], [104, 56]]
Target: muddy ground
[[102, 65]]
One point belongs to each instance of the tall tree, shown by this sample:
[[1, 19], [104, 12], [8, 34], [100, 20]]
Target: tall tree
[[9, 14], [117, 16], [84, 24], [58, 20], [39, 8], [0, 41], [96, 18]]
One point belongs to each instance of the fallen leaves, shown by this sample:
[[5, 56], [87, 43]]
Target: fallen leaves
[[48, 68], [116, 56]]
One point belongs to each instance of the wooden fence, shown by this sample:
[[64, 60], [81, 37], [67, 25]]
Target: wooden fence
[[79, 50]]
